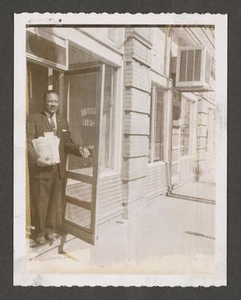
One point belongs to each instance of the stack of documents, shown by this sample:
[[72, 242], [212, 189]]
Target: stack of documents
[[47, 147]]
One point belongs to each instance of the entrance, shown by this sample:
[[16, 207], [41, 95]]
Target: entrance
[[88, 102], [82, 105], [87, 88]]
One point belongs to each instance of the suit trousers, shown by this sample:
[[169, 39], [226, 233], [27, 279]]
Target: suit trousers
[[47, 196]]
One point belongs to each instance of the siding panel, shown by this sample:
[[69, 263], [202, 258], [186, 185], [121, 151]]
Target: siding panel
[[138, 51], [134, 168], [134, 190], [135, 123], [187, 169], [136, 100], [137, 75], [157, 180], [135, 146]]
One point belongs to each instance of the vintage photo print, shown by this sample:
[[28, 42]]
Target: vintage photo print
[[120, 135]]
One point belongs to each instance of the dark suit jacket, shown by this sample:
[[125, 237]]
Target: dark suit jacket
[[37, 125]]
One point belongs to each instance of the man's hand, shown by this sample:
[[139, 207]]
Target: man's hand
[[84, 152], [43, 162]]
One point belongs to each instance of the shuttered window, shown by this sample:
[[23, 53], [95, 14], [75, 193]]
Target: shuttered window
[[157, 124], [190, 65], [208, 68]]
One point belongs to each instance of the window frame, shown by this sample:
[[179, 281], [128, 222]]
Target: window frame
[[118, 128], [59, 41], [192, 126], [152, 124], [118, 116]]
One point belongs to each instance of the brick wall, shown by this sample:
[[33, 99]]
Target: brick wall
[[136, 104]]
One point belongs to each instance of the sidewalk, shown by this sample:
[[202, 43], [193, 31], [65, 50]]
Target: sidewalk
[[202, 190], [171, 234]]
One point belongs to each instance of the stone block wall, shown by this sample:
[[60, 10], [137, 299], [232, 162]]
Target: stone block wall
[[136, 105]]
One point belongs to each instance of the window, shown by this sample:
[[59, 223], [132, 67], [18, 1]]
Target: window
[[186, 131], [44, 47], [90, 81], [210, 131], [108, 134], [176, 107], [157, 124]]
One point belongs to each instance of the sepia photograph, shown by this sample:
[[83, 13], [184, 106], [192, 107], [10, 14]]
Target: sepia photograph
[[120, 149]]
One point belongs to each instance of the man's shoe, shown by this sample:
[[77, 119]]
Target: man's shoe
[[40, 240], [49, 236]]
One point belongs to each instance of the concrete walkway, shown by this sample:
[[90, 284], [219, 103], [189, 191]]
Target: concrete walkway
[[202, 190], [169, 227]]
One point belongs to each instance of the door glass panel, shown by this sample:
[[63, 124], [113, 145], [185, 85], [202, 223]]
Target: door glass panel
[[82, 119], [81, 116], [78, 215]]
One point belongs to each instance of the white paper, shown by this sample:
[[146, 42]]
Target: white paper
[[47, 147]]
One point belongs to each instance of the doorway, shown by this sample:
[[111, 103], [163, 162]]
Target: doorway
[[88, 101]]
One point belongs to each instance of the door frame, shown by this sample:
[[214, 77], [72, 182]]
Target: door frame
[[88, 235]]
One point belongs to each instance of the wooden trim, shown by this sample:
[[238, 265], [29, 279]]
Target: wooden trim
[[79, 177], [87, 43], [152, 123], [79, 231], [84, 70], [78, 202], [89, 235], [45, 62], [96, 159]]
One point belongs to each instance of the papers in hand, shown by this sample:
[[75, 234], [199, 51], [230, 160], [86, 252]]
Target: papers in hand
[[47, 147]]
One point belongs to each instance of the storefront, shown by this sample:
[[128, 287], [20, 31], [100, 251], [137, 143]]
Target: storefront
[[148, 125], [90, 93]]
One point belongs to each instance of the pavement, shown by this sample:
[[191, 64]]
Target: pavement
[[173, 234]]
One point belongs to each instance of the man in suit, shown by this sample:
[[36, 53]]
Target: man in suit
[[47, 182]]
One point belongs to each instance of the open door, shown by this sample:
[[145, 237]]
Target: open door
[[85, 91]]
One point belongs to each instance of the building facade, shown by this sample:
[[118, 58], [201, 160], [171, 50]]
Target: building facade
[[140, 98]]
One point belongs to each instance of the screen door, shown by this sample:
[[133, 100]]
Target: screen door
[[85, 88]]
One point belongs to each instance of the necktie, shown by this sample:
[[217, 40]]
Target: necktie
[[52, 123]]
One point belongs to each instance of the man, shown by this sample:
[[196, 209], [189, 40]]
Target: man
[[46, 179]]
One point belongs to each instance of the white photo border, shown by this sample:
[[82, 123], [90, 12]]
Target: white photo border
[[21, 277]]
